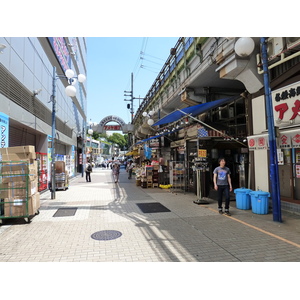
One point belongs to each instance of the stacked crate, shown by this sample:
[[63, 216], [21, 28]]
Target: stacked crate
[[149, 174], [19, 182], [155, 176]]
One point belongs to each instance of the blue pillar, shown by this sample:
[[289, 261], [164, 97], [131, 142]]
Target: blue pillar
[[274, 174]]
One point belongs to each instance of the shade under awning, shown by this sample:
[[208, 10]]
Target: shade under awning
[[194, 110]]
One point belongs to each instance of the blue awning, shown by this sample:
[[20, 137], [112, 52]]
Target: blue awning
[[157, 136], [194, 110]]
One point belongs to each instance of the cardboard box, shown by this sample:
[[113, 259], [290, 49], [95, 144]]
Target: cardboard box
[[3, 190], [18, 171], [19, 188], [18, 153], [17, 207]]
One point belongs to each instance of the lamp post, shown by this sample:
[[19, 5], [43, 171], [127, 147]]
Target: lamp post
[[149, 115], [71, 92], [244, 47]]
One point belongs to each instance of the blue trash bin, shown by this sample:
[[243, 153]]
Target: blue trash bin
[[260, 202], [243, 200]]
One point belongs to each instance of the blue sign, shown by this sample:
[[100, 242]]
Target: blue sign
[[4, 123]]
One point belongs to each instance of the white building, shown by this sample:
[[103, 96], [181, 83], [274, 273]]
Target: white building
[[26, 89]]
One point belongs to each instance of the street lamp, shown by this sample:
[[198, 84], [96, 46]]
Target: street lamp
[[149, 115], [71, 92], [244, 47]]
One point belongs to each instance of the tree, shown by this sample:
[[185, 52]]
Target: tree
[[118, 139]]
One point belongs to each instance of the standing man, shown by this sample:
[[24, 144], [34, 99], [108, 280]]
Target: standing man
[[88, 170], [129, 169], [222, 184]]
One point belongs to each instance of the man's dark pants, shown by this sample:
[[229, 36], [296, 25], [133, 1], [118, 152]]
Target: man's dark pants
[[223, 189]]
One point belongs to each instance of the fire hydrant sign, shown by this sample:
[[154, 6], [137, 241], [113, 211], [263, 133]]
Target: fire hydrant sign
[[286, 105]]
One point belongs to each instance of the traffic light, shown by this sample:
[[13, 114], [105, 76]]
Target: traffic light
[[128, 106]]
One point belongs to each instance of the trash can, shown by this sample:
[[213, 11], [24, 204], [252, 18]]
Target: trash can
[[260, 202], [243, 200]]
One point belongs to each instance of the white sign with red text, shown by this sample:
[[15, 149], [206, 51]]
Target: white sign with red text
[[286, 105]]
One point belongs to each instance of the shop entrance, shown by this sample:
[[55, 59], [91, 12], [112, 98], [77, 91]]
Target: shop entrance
[[289, 174]]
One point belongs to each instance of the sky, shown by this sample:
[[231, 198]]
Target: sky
[[110, 62]]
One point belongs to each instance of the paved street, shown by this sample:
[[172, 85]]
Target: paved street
[[188, 233]]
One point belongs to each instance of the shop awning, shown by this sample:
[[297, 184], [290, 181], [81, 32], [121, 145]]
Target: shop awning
[[133, 152], [193, 110], [157, 136]]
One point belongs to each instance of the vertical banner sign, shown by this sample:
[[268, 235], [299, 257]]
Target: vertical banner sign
[[4, 123]]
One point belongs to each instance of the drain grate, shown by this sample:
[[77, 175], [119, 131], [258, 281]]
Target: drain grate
[[65, 212], [106, 235], [152, 207]]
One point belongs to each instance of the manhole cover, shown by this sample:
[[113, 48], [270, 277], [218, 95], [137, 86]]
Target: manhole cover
[[106, 235]]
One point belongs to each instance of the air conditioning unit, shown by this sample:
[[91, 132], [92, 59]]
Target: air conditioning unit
[[293, 43], [275, 47]]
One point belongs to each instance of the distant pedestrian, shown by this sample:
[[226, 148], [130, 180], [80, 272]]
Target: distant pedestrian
[[88, 171], [222, 184], [129, 169], [116, 172]]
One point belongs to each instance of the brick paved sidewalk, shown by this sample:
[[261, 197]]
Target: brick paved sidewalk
[[188, 233]]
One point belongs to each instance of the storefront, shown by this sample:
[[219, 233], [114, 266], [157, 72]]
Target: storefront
[[286, 109]]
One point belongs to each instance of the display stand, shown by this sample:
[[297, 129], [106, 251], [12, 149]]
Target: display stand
[[42, 171], [201, 167], [178, 176], [199, 200]]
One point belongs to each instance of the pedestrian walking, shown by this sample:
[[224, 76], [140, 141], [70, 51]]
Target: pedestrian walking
[[129, 169], [222, 184], [88, 171], [116, 172]]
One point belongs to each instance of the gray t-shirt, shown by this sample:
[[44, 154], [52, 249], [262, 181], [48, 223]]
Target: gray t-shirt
[[222, 175]]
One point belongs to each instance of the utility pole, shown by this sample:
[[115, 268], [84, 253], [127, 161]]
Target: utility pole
[[131, 98], [130, 94]]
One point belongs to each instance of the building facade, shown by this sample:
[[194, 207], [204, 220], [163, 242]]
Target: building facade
[[26, 93], [210, 99]]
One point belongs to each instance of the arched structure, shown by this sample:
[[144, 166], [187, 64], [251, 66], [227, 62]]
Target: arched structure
[[101, 127]]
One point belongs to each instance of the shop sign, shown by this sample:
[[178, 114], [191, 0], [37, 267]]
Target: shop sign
[[288, 140], [202, 153], [286, 105], [154, 143], [112, 127], [4, 123], [61, 51], [259, 142], [111, 119]]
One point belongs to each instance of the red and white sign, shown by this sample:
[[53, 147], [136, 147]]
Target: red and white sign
[[286, 105], [112, 127], [289, 139], [258, 142]]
